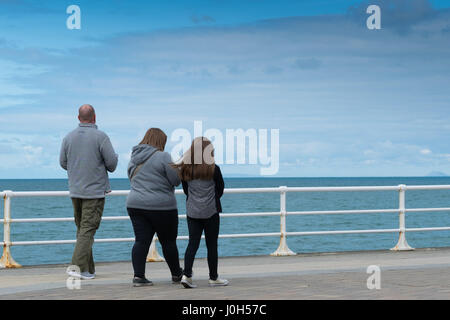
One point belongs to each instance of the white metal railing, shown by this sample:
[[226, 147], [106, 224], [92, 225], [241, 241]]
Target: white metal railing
[[7, 261]]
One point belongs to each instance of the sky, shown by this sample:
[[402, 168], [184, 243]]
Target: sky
[[347, 101]]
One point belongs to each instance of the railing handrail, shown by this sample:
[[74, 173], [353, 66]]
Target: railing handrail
[[245, 190], [7, 261]]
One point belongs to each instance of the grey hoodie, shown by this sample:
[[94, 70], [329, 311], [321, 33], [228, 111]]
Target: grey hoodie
[[153, 186], [87, 155]]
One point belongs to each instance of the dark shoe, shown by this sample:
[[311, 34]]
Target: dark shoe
[[141, 282], [177, 279]]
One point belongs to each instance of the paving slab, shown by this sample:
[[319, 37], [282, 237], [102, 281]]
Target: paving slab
[[419, 274]]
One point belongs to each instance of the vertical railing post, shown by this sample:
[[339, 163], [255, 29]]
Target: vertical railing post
[[7, 261], [402, 244], [283, 249], [153, 254]]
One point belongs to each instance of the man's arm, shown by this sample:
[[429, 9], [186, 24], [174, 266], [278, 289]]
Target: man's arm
[[63, 155], [109, 156]]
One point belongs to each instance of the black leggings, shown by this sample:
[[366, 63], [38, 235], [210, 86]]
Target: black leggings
[[145, 224], [196, 227]]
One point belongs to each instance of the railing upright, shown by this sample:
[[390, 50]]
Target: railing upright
[[7, 261], [283, 249], [402, 244]]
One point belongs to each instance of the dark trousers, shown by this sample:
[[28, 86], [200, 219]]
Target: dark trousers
[[196, 228], [145, 224], [88, 215]]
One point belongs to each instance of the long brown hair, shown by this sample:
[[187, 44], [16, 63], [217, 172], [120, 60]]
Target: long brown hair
[[198, 162], [155, 137]]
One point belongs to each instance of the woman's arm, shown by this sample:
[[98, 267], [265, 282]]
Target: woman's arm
[[218, 179], [171, 173], [185, 187]]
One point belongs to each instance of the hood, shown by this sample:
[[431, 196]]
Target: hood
[[139, 155]]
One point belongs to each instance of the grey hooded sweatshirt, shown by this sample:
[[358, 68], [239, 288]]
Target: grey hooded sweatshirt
[[153, 186]]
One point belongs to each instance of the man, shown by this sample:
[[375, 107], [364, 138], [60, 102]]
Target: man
[[87, 155]]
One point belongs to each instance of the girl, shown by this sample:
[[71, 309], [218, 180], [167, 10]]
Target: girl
[[151, 204], [203, 185]]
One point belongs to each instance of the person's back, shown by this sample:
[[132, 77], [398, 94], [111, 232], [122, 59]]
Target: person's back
[[204, 186], [87, 155], [153, 187], [201, 200], [151, 204]]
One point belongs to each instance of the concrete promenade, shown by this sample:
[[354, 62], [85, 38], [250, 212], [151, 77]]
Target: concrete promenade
[[419, 274]]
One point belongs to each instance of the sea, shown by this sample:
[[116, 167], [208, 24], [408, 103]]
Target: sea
[[50, 207]]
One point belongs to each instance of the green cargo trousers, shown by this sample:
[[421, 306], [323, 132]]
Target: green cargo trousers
[[88, 215]]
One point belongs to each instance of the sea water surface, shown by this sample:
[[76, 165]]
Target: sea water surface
[[51, 207]]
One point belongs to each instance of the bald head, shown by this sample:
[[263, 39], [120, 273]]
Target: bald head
[[86, 114]]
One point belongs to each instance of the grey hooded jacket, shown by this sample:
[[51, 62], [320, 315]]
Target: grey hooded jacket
[[87, 155], [153, 186]]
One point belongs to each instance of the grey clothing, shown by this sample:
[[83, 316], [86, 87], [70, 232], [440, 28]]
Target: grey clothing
[[201, 200], [87, 154], [153, 187]]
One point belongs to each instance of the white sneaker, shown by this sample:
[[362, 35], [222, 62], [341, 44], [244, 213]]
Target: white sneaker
[[73, 274], [83, 275], [218, 282], [187, 282], [87, 276]]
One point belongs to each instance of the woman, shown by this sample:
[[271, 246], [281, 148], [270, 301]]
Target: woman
[[151, 204], [203, 185]]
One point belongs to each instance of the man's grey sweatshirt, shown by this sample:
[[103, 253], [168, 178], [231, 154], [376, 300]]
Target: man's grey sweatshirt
[[153, 186], [87, 155]]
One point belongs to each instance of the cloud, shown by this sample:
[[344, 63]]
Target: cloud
[[307, 63], [25, 7], [343, 97], [361, 158], [198, 19], [273, 70], [6, 102], [18, 151], [425, 151]]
